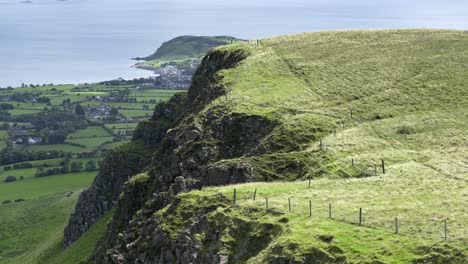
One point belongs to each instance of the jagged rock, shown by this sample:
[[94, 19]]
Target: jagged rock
[[185, 152]]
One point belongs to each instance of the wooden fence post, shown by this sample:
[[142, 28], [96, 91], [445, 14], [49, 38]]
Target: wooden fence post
[[445, 230], [383, 167], [396, 225], [360, 216], [289, 204], [266, 203], [329, 210], [310, 208], [352, 162], [255, 194], [235, 194], [309, 181]]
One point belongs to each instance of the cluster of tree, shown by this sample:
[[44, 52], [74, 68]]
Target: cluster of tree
[[134, 81], [22, 97], [124, 132], [43, 100], [16, 201], [57, 120], [79, 110], [12, 178], [66, 167], [23, 85], [17, 166], [16, 156], [6, 106], [4, 126]]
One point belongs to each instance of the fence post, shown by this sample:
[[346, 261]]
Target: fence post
[[396, 225], [445, 230], [383, 167], [329, 210], [360, 216], [255, 194], [309, 181], [235, 194], [266, 203], [289, 202], [310, 208], [352, 162]]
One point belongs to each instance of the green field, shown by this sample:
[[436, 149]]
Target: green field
[[30, 227], [3, 139], [31, 231], [57, 147], [90, 132], [37, 187], [136, 113]]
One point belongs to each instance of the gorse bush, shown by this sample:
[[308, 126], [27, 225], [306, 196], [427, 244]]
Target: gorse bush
[[406, 130], [10, 179]]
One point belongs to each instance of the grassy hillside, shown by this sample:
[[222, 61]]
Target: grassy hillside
[[395, 95], [34, 210], [338, 104]]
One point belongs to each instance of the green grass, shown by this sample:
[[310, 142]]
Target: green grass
[[81, 250], [26, 173], [29, 173], [25, 111], [37, 187], [29, 227], [136, 113], [57, 147], [3, 139], [90, 132], [91, 143], [123, 126], [407, 92], [35, 226]]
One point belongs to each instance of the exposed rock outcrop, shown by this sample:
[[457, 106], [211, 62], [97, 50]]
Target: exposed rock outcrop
[[183, 145]]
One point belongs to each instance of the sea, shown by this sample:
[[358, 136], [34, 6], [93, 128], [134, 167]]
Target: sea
[[77, 41]]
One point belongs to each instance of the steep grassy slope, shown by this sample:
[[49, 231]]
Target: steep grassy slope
[[330, 106]]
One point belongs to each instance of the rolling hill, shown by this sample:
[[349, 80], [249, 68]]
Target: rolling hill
[[377, 120]]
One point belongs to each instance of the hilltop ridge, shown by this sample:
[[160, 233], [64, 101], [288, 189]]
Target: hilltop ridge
[[329, 106]]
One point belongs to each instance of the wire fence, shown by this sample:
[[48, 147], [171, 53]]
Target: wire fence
[[437, 230]]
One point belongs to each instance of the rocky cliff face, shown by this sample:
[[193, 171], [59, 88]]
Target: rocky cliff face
[[185, 146], [120, 165]]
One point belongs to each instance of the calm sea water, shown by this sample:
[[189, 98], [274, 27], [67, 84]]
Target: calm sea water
[[77, 41]]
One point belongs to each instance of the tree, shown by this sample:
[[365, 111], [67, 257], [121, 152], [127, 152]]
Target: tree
[[90, 165], [10, 179], [114, 111], [43, 100], [76, 166], [79, 110]]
